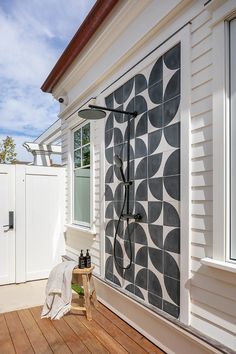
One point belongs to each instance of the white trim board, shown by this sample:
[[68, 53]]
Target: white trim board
[[185, 196], [227, 266]]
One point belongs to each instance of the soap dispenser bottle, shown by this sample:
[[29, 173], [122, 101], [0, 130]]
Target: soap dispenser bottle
[[87, 260], [81, 260]]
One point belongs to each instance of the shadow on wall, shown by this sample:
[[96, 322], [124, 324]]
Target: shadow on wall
[[58, 239], [213, 302], [79, 240]]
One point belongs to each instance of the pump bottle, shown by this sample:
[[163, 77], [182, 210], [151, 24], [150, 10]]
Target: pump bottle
[[81, 260], [87, 260]]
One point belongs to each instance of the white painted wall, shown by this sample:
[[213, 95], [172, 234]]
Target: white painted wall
[[212, 291]]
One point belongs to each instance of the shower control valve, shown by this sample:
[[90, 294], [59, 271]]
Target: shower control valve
[[137, 217], [129, 183], [132, 216]]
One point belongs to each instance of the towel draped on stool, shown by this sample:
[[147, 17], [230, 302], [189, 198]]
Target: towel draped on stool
[[58, 291]]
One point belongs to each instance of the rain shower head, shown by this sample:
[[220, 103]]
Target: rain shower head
[[98, 112], [92, 114]]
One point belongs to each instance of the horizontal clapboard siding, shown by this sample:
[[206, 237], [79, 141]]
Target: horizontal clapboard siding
[[74, 238], [213, 293]]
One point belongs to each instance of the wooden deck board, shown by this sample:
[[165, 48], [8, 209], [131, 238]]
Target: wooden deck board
[[130, 331], [70, 338], [37, 339], [117, 334], [23, 331], [19, 338], [108, 341], [6, 344], [91, 342], [54, 339]]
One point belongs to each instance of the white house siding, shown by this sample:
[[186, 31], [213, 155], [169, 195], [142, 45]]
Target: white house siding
[[77, 239], [212, 291]]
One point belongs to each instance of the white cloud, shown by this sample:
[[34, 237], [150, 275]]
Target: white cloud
[[33, 34], [26, 109], [54, 18], [24, 58]]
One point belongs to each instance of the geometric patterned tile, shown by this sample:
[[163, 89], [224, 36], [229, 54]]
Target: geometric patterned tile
[[154, 252]]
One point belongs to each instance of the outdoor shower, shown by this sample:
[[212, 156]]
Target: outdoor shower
[[97, 112]]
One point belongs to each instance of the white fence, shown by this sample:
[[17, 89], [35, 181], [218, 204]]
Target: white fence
[[34, 245]]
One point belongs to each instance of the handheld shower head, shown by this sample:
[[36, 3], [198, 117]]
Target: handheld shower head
[[119, 164], [118, 161]]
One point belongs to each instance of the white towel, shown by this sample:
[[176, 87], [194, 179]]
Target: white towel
[[58, 291]]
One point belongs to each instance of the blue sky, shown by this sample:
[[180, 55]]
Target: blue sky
[[34, 33]]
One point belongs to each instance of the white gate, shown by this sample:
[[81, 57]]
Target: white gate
[[7, 235], [35, 195]]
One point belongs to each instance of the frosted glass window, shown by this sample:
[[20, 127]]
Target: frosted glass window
[[233, 136], [81, 213], [82, 195]]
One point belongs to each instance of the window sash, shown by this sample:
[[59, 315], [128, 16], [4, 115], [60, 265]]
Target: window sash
[[81, 176], [82, 192]]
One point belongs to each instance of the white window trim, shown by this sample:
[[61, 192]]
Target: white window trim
[[81, 226], [229, 267], [221, 186], [89, 231]]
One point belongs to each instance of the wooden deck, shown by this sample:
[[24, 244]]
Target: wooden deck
[[24, 332]]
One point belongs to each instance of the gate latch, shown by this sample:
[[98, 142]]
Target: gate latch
[[11, 221]]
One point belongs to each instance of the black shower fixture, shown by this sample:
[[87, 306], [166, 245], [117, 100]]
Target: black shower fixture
[[119, 164], [92, 114], [98, 112]]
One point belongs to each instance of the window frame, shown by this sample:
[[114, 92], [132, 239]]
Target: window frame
[[221, 16], [230, 258], [74, 222]]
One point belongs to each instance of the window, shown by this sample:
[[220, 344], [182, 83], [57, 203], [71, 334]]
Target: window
[[81, 197], [223, 27], [232, 84]]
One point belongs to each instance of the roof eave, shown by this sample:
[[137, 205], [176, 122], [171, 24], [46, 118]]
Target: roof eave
[[96, 16]]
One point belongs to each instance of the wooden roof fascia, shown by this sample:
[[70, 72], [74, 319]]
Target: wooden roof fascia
[[96, 16]]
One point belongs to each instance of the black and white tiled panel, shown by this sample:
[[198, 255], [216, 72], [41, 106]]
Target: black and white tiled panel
[[155, 193], [156, 250], [156, 212]]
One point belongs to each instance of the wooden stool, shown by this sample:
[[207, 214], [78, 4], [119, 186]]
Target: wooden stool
[[84, 278]]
